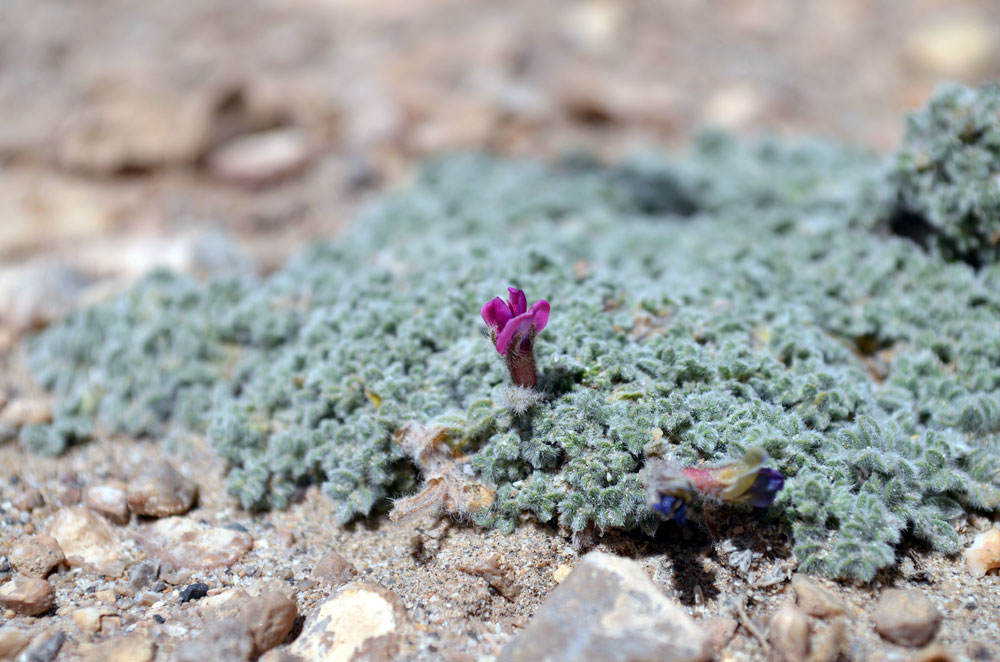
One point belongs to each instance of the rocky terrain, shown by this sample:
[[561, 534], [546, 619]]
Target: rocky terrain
[[211, 141]]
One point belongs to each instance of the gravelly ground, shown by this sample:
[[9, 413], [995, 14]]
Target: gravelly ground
[[113, 117]]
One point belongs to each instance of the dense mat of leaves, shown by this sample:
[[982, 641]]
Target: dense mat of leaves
[[738, 295]]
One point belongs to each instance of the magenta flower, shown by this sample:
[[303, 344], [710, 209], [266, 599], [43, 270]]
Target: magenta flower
[[513, 327]]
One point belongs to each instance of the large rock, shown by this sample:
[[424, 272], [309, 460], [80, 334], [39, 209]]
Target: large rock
[[186, 544], [608, 610], [87, 540], [361, 622]]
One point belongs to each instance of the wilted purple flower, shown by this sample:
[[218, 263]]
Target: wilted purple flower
[[513, 327], [747, 481]]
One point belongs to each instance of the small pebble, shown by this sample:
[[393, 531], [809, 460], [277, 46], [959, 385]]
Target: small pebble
[[984, 553], [26, 411], [261, 158], [35, 556], [814, 599], [720, 629], [195, 591], [143, 574], [270, 618], [88, 619], [28, 499], [108, 500], [29, 596], [106, 596], [334, 569], [87, 540], [906, 617], [160, 491], [159, 619], [561, 573], [789, 634]]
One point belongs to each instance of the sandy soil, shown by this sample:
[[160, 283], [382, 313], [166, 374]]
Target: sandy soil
[[117, 127]]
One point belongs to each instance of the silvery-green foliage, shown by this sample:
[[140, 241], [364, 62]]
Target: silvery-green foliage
[[742, 295], [947, 171]]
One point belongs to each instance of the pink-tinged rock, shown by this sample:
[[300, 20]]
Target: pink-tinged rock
[[108, 500], [608, 610], [87, 540], [185, 543], [29, 596]]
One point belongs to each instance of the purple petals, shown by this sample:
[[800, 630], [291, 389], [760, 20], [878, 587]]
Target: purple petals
[[519, 327], [518, 302], [513, 328], [496, 313], [765, 488], [511, 322], [539, 314], [672, 507]]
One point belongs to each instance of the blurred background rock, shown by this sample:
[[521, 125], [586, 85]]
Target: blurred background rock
[[212, 137]]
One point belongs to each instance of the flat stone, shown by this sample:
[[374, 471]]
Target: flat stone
[[789, 634], [184, 543], [129, 649], [160, 491], [87, 540], [814, 599], [361, 622], [260, 158], [984, 553], [906, 617], [29, 596], [270, 618], [608, 610], [35, 556], [108, 500], [334, 569], [228, 640], [12, 642]]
